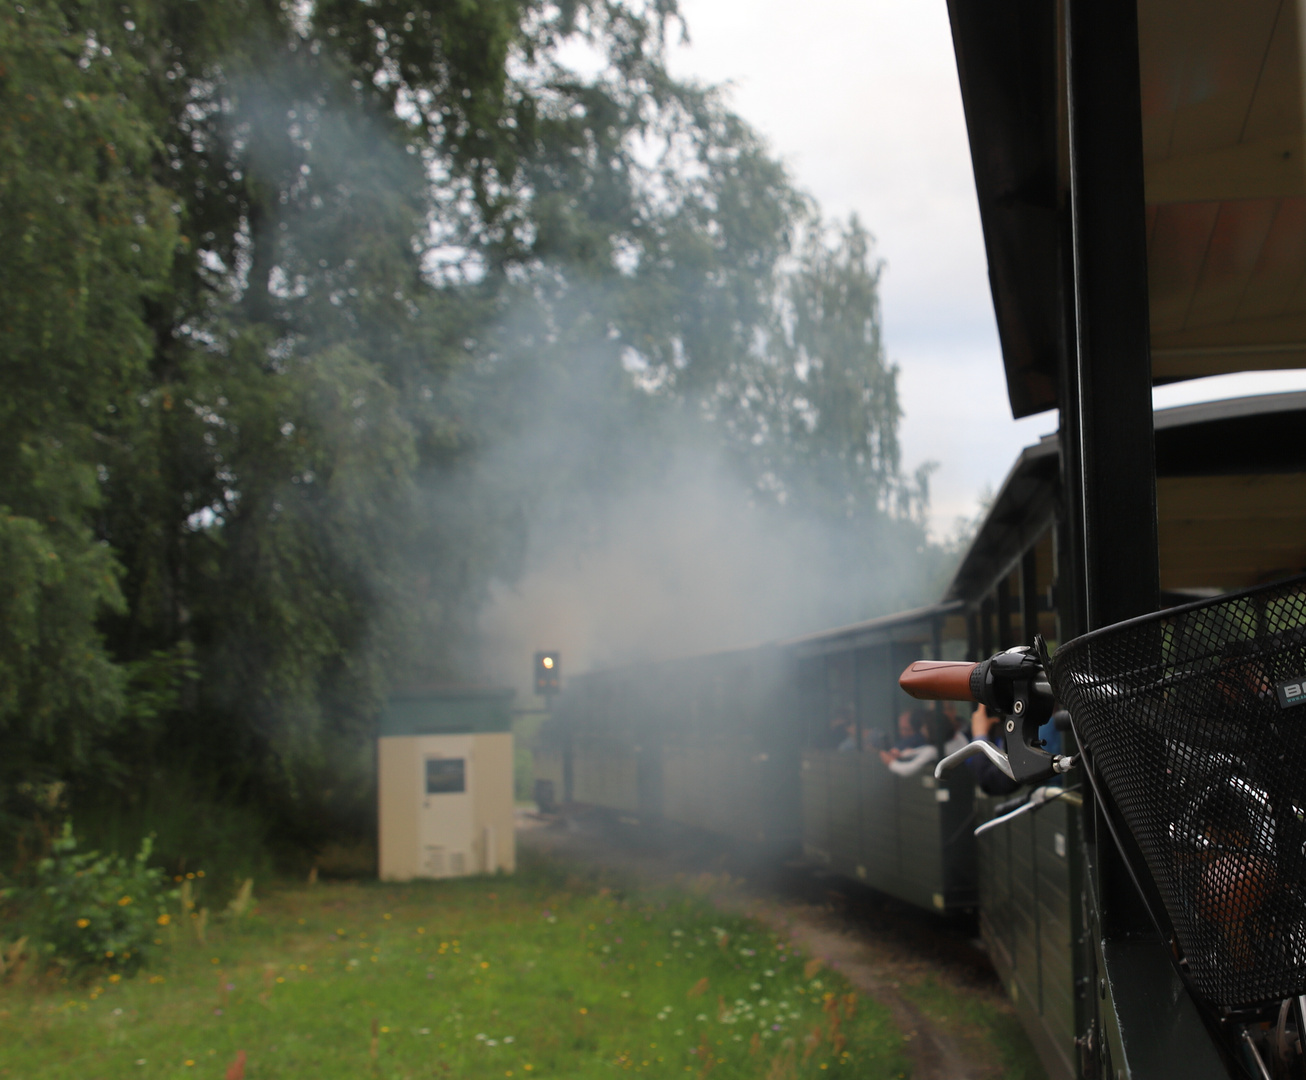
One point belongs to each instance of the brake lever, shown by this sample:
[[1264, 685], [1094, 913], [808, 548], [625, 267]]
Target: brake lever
[[1037, 799], [982, 746]]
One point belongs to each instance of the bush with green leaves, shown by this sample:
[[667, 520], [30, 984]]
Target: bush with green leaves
[[87, 910]]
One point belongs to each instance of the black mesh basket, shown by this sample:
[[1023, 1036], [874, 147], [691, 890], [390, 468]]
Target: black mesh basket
[[1195, 722]]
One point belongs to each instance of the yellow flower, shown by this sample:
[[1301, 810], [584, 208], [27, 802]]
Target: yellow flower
[[163, 920], [385, 1029], [190, 1061], [124, 901], [199, 873], [156, 979], [115, 978], [190, 877], [281, 978], [82, 924], [109, 955], [485, 963], [584, 1011]]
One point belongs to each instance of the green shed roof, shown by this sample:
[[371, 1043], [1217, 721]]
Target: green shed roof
[[446, 711]]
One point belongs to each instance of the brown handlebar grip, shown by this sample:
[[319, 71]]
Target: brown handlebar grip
[[938, 680]]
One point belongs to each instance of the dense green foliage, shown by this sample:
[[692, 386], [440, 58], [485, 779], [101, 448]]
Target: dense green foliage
[[85, 910], [281, 283]]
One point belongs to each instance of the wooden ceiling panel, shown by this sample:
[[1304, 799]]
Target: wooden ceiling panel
[[1276, 332], [1176, 253], [1270, 168], [1201, 65], [1276, 281], [1277, 107], [1230, 531], [1225, 179], [1231, 256]]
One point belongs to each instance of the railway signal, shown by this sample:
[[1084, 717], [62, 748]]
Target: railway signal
[[548, 672]]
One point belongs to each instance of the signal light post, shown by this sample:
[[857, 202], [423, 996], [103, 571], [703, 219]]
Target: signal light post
[[548, 675], [548, 681]]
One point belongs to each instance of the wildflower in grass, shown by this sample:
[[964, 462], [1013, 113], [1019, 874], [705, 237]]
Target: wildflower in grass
[[82, 924], [124, 901], [115, 977], [164, 920]]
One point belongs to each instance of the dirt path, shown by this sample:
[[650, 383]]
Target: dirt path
[[883, 948]]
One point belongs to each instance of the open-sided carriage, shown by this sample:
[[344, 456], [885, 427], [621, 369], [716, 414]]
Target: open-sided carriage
[[1139, 166]]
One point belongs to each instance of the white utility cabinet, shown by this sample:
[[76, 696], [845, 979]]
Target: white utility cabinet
[[445, 784]]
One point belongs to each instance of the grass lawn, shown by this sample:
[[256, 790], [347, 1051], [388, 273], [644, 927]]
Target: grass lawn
[[534, 975]]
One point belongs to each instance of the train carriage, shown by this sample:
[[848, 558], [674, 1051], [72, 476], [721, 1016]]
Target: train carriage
[[705, 742], [906, 836], [1140, 172]]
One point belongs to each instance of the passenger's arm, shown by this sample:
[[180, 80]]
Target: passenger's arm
[[912, 762]]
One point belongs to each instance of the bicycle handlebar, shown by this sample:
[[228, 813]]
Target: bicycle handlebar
[[938, 680], [1013, 687]]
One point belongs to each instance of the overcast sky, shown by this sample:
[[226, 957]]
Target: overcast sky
[[861, 100]]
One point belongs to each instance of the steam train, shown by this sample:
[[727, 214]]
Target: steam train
[[1140, 172], [738, 744]]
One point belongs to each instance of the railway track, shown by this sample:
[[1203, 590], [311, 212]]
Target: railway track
[[887, 949]]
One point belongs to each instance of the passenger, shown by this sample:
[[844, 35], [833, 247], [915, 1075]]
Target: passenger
[[843, 731], [955, 729], [913, 751]]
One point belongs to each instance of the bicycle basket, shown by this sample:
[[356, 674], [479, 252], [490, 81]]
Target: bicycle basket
[[1192, 723]]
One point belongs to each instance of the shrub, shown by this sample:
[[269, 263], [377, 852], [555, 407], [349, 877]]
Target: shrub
[[87, 910]]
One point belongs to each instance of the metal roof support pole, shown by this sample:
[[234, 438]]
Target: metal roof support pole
[[1106, 420], [1109, 421]]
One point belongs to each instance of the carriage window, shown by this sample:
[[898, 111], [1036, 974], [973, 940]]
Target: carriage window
[[445, 776]]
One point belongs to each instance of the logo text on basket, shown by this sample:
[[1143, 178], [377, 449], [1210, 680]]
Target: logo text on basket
[[1291, 692]]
